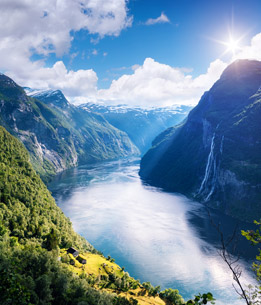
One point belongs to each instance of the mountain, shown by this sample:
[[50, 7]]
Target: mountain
[[34, 233], [215, 156], [38, 260], [141, 125], [49, 97], [57, 134], [27, 209]]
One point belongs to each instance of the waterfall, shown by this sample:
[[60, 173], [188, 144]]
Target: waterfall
[[212, 167], [221, 145], [209, 163], [213, 181]]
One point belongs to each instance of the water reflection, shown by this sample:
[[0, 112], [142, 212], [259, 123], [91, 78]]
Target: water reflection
[[159, 237]]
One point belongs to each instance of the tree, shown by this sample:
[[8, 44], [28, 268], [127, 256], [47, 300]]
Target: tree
[[172, 296], [52, 240], [254, 292], [251, 295], [155, 291], [231, 259], [202, 299]]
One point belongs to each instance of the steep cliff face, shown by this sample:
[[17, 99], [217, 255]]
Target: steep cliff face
[[95, 138], [215, 156], [58, 136], [141, 125]]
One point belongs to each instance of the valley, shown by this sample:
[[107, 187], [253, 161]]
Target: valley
[[141, 125], [160, 237], [88, 157], [130, 152]]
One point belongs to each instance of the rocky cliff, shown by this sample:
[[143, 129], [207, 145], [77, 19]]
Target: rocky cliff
[[141, 125], [58, 135], [215, 156]]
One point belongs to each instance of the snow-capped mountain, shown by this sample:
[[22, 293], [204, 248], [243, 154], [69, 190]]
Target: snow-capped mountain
[[142, 125]]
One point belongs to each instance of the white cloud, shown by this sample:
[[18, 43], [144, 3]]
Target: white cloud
[[253, 51], [30, 27], [46, 26], [151, 84], [135, 67], [156, 84], [161, 19], [72, 83], [94, 52]]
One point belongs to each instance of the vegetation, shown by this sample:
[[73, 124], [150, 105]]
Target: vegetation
[[27, 209], [32, 228], [30, 274], [35, 267], [103, 274], [60, 136], [253, 293]]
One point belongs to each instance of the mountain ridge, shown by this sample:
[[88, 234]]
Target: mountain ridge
[[141, 124], [58, 138], [214, 156]]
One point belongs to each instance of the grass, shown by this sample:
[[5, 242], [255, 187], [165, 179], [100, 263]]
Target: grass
[[98, 265], [95, 265], [142, 300]]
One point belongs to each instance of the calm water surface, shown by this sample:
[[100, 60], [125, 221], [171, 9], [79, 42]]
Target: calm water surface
[[160, 237]]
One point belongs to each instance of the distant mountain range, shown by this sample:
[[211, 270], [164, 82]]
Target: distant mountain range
[[57, 134], [215, 155], [141, 125]]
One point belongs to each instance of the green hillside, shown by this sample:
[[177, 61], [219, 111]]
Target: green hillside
[[31, 225], [35, 268], [27, 209], [58, 137]]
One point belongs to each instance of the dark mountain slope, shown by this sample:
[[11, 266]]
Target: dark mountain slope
[[141, 125], [215, 156]]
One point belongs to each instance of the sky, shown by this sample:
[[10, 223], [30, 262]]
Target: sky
[[146, 53]]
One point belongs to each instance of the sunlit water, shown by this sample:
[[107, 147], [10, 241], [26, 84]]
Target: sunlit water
[[160, 237]]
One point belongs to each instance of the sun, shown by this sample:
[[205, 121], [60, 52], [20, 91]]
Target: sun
[[232, 45]]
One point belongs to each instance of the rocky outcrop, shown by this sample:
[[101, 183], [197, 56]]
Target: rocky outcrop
[[215, 157], [57, 134]]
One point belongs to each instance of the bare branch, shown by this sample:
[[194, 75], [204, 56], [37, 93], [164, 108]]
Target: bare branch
[[229, 259]]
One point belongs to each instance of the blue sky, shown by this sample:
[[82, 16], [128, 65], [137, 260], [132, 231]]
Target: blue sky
[[60, 40], [186, 41]]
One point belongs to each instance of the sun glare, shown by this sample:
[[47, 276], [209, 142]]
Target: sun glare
[[232, 45]]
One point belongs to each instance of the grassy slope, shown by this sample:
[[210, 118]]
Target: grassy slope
[[97, 266]]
